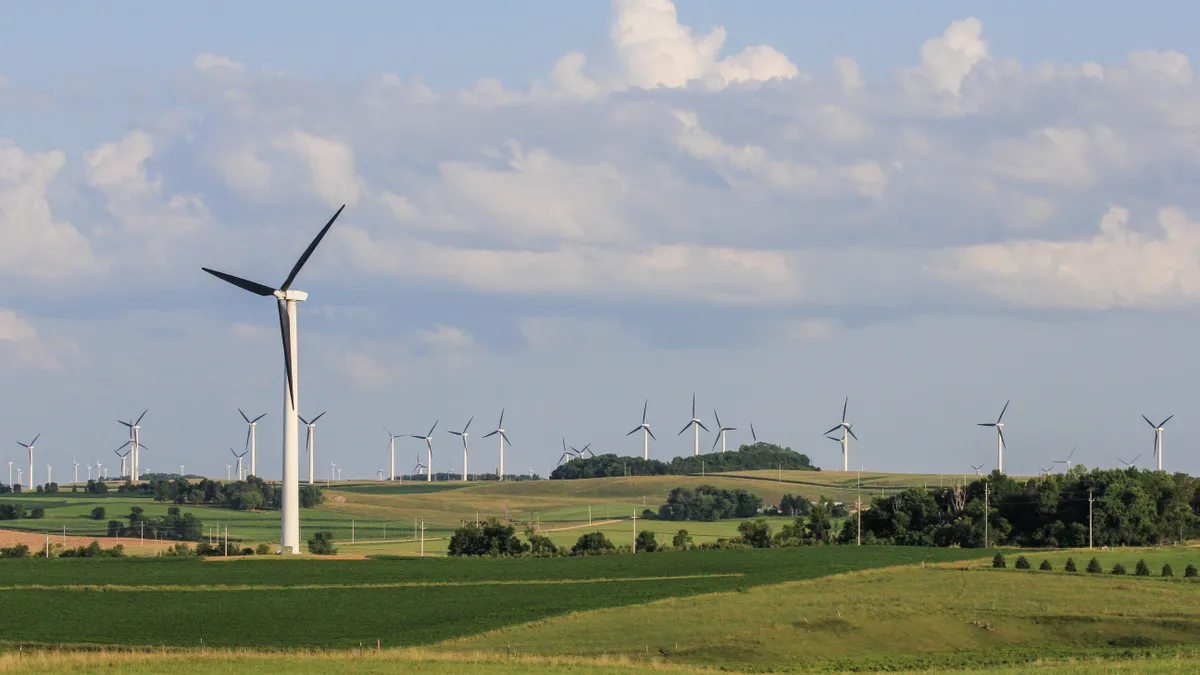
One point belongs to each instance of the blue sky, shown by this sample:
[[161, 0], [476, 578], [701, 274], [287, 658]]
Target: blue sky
[[566, 208]]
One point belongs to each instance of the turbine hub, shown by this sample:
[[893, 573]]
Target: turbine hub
[[292, 295]]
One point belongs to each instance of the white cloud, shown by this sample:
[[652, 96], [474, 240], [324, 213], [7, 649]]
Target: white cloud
[[210, 61], [446, 337], [21, 346], [330, 163], [947, 60]]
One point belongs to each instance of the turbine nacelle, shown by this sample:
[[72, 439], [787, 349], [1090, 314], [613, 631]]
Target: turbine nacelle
[[291, 295]]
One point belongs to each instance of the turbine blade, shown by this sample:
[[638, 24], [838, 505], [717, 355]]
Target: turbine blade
[[504, 436], [128, 424], [302, 421], [845, 405], [834, 429], [309, 251], [456, 433], [468, 424], [285, 332], [139, 419], [693, 405], [243, 416], [651, 433], [1003, 442], [851, 432], [752, 434], [716, 439], [1002, 411], [644, 407], [701, 425], [314, 419], [247, 438], [1164, 422], [501, 424], [986, 424], [431, 430], [491, 434], [1148, 421], [635, 430], [685, 428], [265, 414], [244, 284]]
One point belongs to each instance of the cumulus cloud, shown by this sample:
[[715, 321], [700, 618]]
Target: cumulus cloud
[[947, 60], [21, 346]]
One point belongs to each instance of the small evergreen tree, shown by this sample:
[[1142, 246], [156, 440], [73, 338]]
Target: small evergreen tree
[[1045, 566], [1094, 567], [998, 562], [1022, 563], [1191, 571], [1070, 565], [1142, 569], [1167, 571], [321, 543], [1118, 569]]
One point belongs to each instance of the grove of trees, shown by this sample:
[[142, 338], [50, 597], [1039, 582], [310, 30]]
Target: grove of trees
[[244, 495], [746, 458], [708, 503]]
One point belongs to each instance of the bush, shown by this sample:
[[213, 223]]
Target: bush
[[1094, 567], [492, 538], [540, 544], [1167, 571], [1070, 565], [98, 513], [756, 533], [321, 543], [1022, 563], [180, 549], [37, 512], [310, 496], [646, 542], [1142, 569], [262, 549], [682, 539], [592, 543], [18, 551], [998, 562], [1190, 572], [1045, 566], [1118, 569]]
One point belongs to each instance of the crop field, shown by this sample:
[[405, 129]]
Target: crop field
[[412, 601]]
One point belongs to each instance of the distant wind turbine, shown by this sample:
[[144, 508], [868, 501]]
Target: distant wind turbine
[[123, 457], [72, 462], [29, 446], [49, 479], [644, 427], [417, 469], [1158, 432], [696, 425], [721, 431], [847, 433], [240, 475], [1066, 461], [1130, 463], [392, 450], [251, 425], [999, 425], [286, 299], [503, 439], [463, 435], [976, 468], [135, 444], [310, 443], [428, 438]]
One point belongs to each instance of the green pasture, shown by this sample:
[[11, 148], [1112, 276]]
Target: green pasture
[[1179, 557]]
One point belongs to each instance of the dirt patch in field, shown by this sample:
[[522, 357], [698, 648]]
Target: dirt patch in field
[[273, 555], [37, 541]]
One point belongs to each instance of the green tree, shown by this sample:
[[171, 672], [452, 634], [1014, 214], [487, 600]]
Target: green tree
[[37, 512], [311, 496], [1045, 566], [998, 561], [1167, 571], [1022, 563], [489, 538], [1070, 565], [1093, 567], [262, 549], [321, 543], [646, 541], [540, 544], [755, 533], [98, 513], [1118, 569], [820, 527], [1190, 571], [592, 543], [682, 539], [1142, 569]]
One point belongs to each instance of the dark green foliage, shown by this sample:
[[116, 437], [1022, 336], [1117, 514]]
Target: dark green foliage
[[1142, 569], [18, 551], [115, 527], [175, 525], [682, 539], [37, 512], [794, 506], [1190, 571], [1070, 565], [252, 493], [98, 513], [48, 488], [311, 496], [1045, 566], [755, 533], [93, 550], [321, 543], [490, 538], [646, 541], [262, 549], [1093, 567], [1022, 563], [708, 503], [12, 511], [746, 458], [1167, 571], [96, 487], [540, 544], [1118, 569], [998, 561], [592, 543], [182, 550]]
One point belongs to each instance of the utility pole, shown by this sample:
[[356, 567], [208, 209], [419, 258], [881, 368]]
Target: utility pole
[[986, 509], [422, 539], [781, 472], [589, 515], [351, 530], [226, 541], [635, 531], [858, 506], [1089, 517]]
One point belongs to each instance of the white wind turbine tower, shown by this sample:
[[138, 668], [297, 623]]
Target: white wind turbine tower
[[847, 434], [1130, 463], [76, 464], [29, 446], [10, 483], [644, 427], [999, 425], [286, 299], [463, 434], [428, 451], [310, 443], [251, 425], [89, 468], [240, 476], [1158, 432], [503, 439], [227, 467], [118, 453], [721, 431], [135, 444], [572, 453], [417, 469], [1066, 461], [392, 450], [379, 473], [48, 478], [696, 426]]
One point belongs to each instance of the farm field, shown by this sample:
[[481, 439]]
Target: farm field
[[401, 602]]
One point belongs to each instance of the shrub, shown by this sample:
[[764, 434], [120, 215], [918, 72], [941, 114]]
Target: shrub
[[18, 551], [592, 543], [646, 541], [1070, 565], [181, 549], [1142, 569], [1190, 571], [1118, 569], [1167, 571], [540, 544], [98, 513], [310, 496], [1094, 567], [321, 543], [998, 562], [682, 539], [1045, 566], [37, 512], [1022, 563], [756, 533], [262, 549], [490, 538]]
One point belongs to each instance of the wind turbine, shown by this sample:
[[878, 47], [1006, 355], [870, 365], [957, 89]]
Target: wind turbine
[[999, 436], [29, 446], [417, 469], [721, 430], [135, 442], [118, 454], [463, 434], [1066, 461], [251, 424], [286, 299], [309, 443], [1130, 463], [696, 426], [48, 474], [239, 462], [847, 433], [572, 453], [227, 466], [10, 483], [644, 427], [976, 468], [428, 451], [72, 462], [503, 439], [379, 473], [1158, 431], [89, 467], [392, 450]]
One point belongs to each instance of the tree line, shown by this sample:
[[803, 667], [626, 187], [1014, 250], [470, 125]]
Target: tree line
[[244, 495], [753, 457]]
